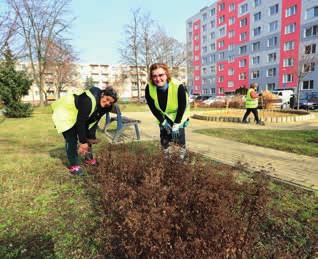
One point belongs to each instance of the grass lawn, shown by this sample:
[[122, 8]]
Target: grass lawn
[[44, 211], [47, 213], [303, 142]]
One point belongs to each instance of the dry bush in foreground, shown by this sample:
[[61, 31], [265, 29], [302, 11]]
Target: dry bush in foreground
[[164, 208]]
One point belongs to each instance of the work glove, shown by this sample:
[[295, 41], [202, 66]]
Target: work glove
[[175, 131], [165, 124]]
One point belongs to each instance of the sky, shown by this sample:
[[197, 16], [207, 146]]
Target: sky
[[99, 24]]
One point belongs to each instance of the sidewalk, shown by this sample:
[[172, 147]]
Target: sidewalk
[[297, 169]]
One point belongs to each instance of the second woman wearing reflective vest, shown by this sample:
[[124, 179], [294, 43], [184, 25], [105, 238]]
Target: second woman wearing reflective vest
[[168, 102]]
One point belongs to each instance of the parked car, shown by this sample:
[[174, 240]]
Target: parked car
[[201, 98], [285, 96], [310, 104], [213, 99]]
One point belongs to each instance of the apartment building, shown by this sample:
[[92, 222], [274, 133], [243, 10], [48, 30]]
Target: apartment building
[[233, 43]]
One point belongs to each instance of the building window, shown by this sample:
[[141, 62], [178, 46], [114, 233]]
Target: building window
[[212, 69], [288, 62], [273, 10], [255, 74], [255, 60], [212, 24], [221, 90], [221, 67], [271, 57], [273, 26], [221, 19], [257, 3], [270, 86], [257, 31], [272, 42], [231, 7], [243, 8], [222, 32], [212, 12], [289, 45], [221, 79], [310, 49], [309, 67], [230, 84], [212, 35], [257, 16], [256, 46], [243, 22], [243, 36], [204, 17], [231, 46], [242, 76], [204, 49], [311, 31], [243, 50], [311, 13], [288, 78], [221, 44], [290, 28], [291, 11], [212, 46], [271, 72], [221, 55], [242, 63], [230, 72], [308, 85], [231, 58], [231, 20], [221, 6], [231, 34]]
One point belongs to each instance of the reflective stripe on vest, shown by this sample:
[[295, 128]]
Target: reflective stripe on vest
[[172, 102], [249, 101], [65, 112]]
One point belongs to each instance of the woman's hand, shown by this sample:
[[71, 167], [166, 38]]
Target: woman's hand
[[83, 148]]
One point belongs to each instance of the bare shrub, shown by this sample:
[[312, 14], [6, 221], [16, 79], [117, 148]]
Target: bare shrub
[[165, 208]]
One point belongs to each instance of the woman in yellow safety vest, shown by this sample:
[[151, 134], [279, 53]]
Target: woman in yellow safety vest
[[76, 116], [168, 102], [251, 104]]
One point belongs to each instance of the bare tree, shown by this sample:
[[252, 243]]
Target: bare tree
[[61, 65], [130, 50], [146, 43], [147, 39], [305, 66], [168, 50], [7, 29], [40, 23]]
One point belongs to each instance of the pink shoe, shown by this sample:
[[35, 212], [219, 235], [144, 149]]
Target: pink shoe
[[91, 162], [76, 170]]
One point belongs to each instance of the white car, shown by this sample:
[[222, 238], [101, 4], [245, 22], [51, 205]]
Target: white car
[[213, 100]]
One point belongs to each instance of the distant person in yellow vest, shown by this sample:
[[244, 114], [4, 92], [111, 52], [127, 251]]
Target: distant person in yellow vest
[[251, 104], [168, 102], [76, 117]]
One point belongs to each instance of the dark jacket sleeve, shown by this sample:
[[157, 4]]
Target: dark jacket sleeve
[[182, 103], [84, 106], [152, 106]]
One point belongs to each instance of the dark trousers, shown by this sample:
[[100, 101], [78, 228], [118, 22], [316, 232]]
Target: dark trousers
[[248, 111], [166, 138], [70, 137]]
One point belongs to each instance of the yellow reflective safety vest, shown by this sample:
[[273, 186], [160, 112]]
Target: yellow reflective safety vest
[[249, 101], [172, 102], [65, 112]]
